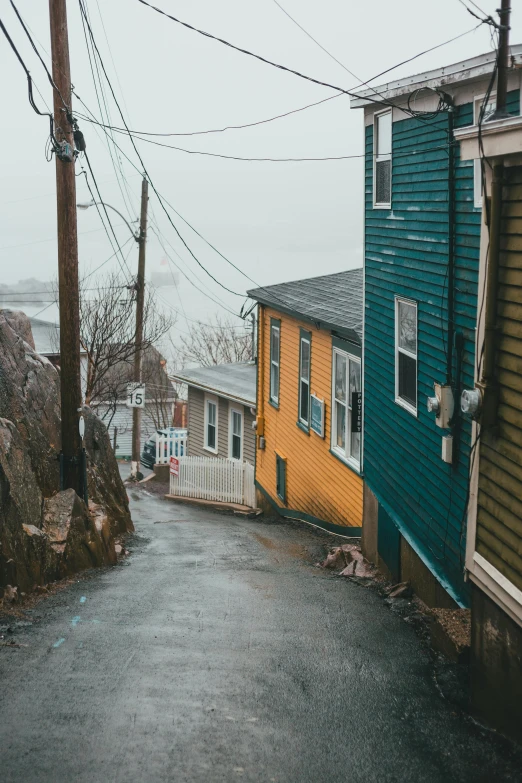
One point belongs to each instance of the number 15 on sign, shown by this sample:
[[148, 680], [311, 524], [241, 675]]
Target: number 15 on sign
[[135, 395]]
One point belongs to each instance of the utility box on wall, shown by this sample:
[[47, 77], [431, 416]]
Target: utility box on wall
[[442, 405]]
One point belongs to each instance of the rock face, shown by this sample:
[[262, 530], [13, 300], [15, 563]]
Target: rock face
[[46, 534]]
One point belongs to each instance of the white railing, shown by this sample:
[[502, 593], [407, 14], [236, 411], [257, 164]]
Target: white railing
[[209, 478], [170, 445]]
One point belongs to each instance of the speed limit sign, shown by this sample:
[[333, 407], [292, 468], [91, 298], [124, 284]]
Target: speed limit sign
[[135, 395]]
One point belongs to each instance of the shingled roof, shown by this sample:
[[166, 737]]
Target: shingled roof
[[330, 301], [233, 381]]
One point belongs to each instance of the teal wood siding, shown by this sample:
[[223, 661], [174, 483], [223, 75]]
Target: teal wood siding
[[406, 254]]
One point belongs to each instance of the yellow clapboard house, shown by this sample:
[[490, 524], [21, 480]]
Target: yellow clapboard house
[[309, 401]]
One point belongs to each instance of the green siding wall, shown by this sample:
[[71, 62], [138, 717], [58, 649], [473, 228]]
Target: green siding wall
[[406, 254]]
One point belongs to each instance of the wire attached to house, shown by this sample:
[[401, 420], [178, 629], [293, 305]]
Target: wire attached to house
[[265, 60]]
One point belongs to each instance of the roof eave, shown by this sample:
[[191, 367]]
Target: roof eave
[[213, 390], [458, 73], [349, 333]]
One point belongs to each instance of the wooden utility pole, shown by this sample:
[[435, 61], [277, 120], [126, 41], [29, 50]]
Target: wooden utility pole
[[504, 13], [69, 299], [140, 301]]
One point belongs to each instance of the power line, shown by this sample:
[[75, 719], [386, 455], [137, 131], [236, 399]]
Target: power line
[[109, 138], [236, 157], [9, 294], [317, 42], [162, 198], [130, 239], [143, 164], [228, 127], [220, 304], [292, 111], [29, 83], [67, 109], [259, 57], [52, 239], [102, 203]]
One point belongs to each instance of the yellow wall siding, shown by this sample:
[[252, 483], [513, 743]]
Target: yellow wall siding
[[317, 483], [499, 515]]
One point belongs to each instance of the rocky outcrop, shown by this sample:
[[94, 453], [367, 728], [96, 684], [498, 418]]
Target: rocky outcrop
[[44, 533], [105, 485], [73, 535]]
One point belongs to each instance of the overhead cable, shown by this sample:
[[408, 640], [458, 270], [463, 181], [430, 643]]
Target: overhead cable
[[143, 164], [265, 60], [254, 160], [317, 42], [292, 111]]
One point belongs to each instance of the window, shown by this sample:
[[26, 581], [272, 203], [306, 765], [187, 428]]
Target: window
[[281, 478], [346, 435], [406, 354], [211, 424], [489, 109], [235, 425], [304, 377], [382, 173], [275, 350]]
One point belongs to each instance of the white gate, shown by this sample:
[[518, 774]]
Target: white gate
[[207, 478], [173, 444]]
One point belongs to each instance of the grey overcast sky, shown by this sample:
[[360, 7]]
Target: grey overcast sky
[[276, 221]]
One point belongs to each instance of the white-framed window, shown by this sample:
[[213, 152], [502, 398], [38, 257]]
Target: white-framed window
[[211, 424], [235, 434], [382, 159], [275, 354], [489, 109], [305, 342], [406, 354], [346, 389]]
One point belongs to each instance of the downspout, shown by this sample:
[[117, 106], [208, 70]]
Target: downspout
[[260, 418], [451, 247]]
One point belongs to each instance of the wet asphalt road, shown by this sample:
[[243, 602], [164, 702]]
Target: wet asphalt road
[[217, 652]]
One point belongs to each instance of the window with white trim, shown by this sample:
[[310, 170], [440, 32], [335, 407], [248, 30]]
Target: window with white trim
[[211, 424], [489, 109], [382, 167], [406, 354], [304, 378], [346, 388], [275, 352], [235, 425]]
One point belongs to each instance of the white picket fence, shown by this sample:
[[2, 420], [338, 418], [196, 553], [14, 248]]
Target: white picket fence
[[170, 445], [208, 478]]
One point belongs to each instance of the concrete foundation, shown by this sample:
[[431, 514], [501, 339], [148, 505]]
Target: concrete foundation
[[263, 504], [422, 581], [396, 559], [370, 525], [496, 666]]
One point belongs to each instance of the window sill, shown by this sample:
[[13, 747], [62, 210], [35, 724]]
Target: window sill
[[407, 406], [350, 465], [212, 451], [273, 403], [382, 206], [304, 427]]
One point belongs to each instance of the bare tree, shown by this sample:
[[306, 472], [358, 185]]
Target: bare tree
[[107, 336], [219, 342]]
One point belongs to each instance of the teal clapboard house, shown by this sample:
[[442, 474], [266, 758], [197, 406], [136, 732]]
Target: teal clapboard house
[[422, 238]]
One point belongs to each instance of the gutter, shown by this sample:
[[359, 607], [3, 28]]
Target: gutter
[[348, 334], [211, 390]]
